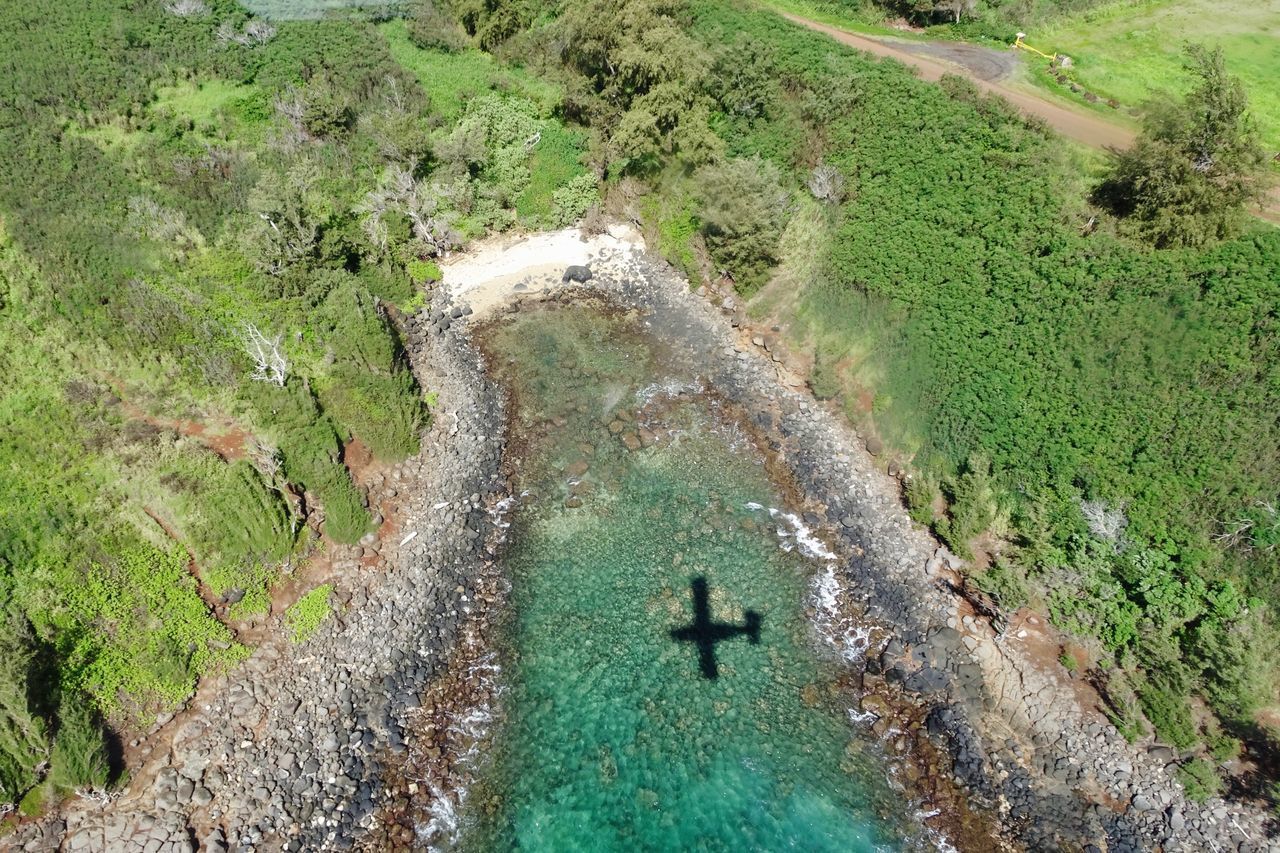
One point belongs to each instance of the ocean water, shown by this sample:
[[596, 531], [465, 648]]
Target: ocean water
[[643, 494]]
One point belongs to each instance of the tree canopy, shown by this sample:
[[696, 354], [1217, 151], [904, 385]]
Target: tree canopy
[[1196, 164]]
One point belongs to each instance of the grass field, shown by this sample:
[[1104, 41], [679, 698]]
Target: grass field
[[1131, 51], [450, 79]]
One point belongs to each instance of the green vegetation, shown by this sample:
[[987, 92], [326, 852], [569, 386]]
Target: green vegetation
[[293, 10], [305, 615], [743, 209], [209, 227], [208, 219], [1200, 780], [1131, 51], [23, 740], [79, 757]]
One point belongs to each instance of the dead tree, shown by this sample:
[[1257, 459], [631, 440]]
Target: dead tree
[[270, 364]]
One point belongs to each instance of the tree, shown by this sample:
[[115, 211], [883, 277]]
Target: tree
[[743, 207], [1196, 164], [430, 28], [742, 78], [290, 212], [956, 8], [826, 183], [187, 8], [79, 762]]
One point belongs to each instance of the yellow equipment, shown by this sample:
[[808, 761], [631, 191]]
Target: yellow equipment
[[1018, 42]]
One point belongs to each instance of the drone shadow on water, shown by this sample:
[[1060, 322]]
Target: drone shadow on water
[[704, 632]]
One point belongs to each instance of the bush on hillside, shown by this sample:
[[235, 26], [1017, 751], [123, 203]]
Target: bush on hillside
[[430, 28], [1196, 164], [79, 761], [23, 740], [743, 209]]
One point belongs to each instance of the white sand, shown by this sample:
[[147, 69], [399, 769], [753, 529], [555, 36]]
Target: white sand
[[488, 273]]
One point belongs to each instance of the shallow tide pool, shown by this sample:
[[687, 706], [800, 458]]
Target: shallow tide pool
[[645, 496]]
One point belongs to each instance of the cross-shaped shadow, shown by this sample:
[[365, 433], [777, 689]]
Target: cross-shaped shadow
[[705, 633]]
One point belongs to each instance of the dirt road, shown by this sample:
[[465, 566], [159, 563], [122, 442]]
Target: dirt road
[[986, 68], [1081, 126]]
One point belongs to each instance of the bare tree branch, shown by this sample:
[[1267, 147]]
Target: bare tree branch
[[827, 184], [1104, 522], [187, 8], [270, 364], [255, 32], [419, 202]]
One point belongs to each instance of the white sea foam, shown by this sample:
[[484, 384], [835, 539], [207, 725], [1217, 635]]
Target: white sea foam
[[941, 842], [861, 718], [443, 826], [848, 637], [499, 511], [809, 545]]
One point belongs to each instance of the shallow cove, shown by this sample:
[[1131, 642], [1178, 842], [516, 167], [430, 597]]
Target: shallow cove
[[613, 737]]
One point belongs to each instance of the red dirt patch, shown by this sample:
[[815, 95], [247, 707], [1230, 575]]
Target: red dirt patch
[[1043, 647], [358, 458]]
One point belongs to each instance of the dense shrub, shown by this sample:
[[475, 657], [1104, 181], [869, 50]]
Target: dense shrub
[[369, 391], [311, 457], [742, 206], [1200, 779], [961, 289], [79, 753], [973, 505], [432, 29], [24, 743], [168, 183]]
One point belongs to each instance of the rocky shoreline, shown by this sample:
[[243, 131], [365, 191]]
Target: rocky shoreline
[[1055, 775], [353, 739]]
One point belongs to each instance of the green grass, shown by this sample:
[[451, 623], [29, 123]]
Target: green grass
[[451, 79], [556, 160], [201, 102], [672, 217], [306, 614], [1131, 52]]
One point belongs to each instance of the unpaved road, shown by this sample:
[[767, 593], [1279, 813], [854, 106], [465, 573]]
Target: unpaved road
[[986, 68], [984, 63], [1081, 126]]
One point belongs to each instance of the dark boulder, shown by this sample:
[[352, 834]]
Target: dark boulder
[[576, 273]]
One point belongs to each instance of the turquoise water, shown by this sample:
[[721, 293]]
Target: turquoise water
[[613, 738]]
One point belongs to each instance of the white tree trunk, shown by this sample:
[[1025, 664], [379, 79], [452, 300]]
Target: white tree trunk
[[270, 364]]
